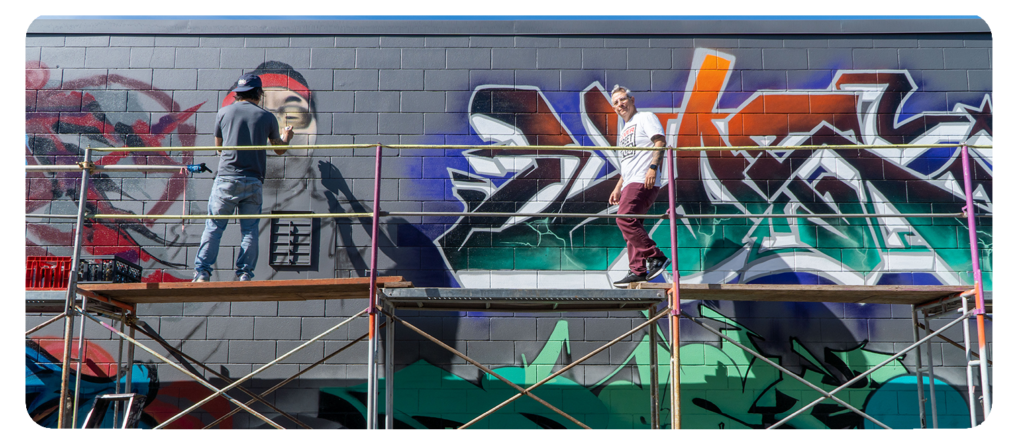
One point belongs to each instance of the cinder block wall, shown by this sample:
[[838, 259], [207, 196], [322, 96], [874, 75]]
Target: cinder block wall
[[158, 83]]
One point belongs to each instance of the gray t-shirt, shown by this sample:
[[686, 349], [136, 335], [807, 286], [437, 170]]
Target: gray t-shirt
[[243, 124]]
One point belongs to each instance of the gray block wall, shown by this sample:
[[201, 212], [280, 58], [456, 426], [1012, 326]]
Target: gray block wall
[[161, 82]]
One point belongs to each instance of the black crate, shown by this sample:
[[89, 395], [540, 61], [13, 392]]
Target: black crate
[[108, 269]]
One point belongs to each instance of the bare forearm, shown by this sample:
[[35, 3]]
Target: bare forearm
[[659, 142], [279, 142]]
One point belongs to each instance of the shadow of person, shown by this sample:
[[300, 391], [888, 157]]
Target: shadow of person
[[404, 244], [400, 241]]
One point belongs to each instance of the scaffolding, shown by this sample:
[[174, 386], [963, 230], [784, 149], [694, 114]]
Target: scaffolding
[[386, 295]]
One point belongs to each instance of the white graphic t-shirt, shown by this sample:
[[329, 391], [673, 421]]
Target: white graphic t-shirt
[[638, 133]]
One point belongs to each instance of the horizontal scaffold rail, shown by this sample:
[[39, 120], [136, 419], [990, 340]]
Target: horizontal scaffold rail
[[658, 216], [103, 168], [226, 216], [536, 147], [485, 214]]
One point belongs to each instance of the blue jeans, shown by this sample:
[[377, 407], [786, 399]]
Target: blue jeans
[[228, 193]]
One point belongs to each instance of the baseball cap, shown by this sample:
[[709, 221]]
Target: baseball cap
[[248, 82]]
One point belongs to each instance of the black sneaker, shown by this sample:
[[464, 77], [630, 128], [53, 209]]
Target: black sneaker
[[630, 278], [655, 266]]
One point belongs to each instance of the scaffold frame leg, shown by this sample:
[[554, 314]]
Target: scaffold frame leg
[[979, 293], [967, 367], [674, 367], [63, 421], [78, 364], [389, 373], [371, 374], [652, 333], [371, 310], [117, 375], [986, 390], [931, 375], [131, 359], [918, 372]]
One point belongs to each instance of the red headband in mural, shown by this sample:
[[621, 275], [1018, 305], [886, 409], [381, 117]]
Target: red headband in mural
[[275, 80]]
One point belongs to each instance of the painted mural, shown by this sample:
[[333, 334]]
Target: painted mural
[[63, 120], [855, 107], [723, 386], [43, 357]]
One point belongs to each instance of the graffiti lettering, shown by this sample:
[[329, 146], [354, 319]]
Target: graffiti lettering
[[856, 108]]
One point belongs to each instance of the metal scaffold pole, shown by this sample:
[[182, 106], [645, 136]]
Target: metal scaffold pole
[[371, 373], [979, 292], [653, 346], [674, 300], [78, 364], [63, 420]]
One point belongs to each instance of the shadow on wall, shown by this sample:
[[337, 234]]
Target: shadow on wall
[[429, 271], [399, 239]]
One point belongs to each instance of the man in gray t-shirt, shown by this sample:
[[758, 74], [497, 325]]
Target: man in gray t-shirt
[[239, 182], [244, 123]]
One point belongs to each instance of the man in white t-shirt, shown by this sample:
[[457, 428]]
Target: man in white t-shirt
[[639, 176]]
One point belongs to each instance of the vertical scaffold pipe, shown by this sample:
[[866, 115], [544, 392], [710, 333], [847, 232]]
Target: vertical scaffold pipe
[[117, 377], [371, 373], [63, 421], [674, 301], [920, 381], [970, 372], [78, 366], [979, 294]]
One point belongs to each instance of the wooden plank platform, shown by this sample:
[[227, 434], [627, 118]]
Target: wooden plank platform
[[894, 294], [219, 291], [522, 300]]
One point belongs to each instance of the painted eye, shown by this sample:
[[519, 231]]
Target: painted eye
[[295, 116]]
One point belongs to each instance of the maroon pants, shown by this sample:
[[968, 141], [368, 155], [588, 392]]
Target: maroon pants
[[636, 199]]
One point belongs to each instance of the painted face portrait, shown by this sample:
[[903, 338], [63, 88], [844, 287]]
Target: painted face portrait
[[286, 95], [290, 108]]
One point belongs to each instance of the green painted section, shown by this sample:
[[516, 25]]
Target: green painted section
[[858, 245], [722, 386]]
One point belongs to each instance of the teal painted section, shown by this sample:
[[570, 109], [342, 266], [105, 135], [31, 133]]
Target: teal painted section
[[722, 386]]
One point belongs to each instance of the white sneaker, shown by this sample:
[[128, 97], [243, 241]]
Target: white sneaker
[[201, 277], [244, 277]]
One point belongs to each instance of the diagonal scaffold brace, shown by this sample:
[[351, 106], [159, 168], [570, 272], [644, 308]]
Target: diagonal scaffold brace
[[198, 379]]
